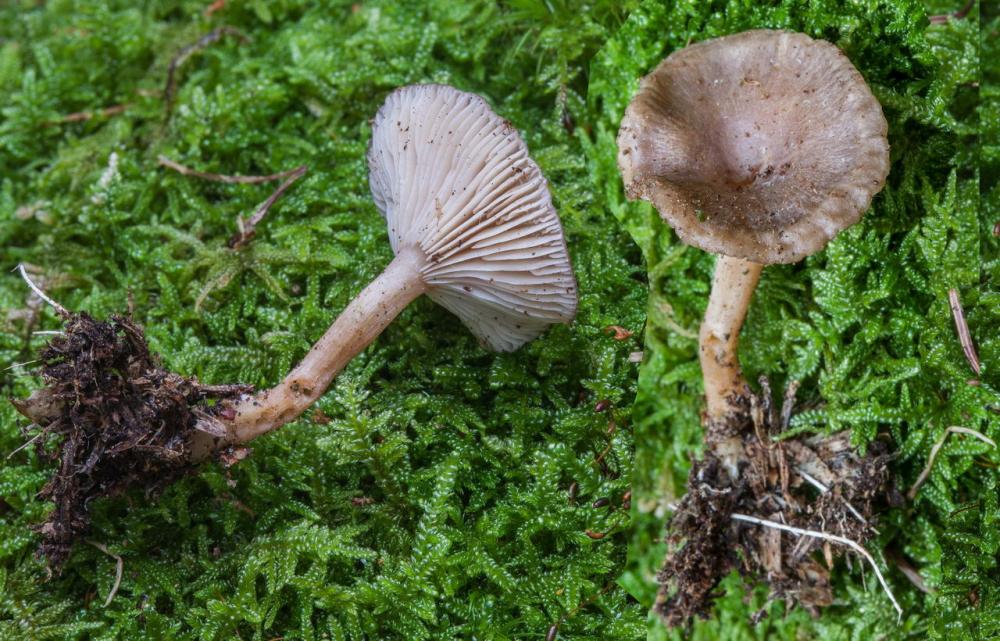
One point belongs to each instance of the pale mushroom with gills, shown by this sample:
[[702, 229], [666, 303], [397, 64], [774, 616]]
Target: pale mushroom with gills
[[759, 147], [471, 224]]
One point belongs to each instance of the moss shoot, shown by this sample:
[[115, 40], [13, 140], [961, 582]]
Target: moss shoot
[[865, 326], [438, 490]]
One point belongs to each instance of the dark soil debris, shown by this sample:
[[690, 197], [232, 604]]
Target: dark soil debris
[[112, 419], [818, 484], [709, 552]]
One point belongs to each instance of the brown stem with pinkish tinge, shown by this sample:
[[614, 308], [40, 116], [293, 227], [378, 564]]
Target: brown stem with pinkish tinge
[[357, 326], [726, 391]]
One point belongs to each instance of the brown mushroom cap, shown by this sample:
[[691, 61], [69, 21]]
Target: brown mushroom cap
[[762, 145]]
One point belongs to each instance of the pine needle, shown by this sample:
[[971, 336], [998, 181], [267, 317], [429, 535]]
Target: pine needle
[[912, 494]]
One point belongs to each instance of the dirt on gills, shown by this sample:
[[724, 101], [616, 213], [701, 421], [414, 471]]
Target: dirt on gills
[[111, 419], [819, 484]]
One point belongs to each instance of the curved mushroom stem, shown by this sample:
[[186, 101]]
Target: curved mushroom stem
[[357, 326], [725, 388]]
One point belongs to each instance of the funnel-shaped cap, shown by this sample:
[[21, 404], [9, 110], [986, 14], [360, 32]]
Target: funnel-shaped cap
[[761, 145], [454, 180]]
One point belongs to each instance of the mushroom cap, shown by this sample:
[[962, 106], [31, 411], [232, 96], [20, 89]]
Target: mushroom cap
[[761, 145], [454, 180]]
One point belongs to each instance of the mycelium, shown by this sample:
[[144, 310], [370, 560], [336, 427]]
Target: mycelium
[[758, 147], [472, 225]]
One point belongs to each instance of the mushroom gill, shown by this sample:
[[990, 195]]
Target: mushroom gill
[[454, 180]]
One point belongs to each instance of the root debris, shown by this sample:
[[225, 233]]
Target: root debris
[[112, 419], [804, 493]]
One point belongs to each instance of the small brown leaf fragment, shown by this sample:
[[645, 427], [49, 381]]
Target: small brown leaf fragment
[[602, 405], [320, 417], [567, 121], [601, 502], [553, 632], [218, 5], [620, 333], [233, 455], [595, 535]]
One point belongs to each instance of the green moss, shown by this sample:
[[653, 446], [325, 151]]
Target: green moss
[[864, 325], [466, 456]]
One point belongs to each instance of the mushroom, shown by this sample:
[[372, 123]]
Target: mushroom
[[758, 147], [471, 224]]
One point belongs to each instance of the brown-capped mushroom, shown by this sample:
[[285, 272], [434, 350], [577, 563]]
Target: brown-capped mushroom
[[472, 225], [759, 147]]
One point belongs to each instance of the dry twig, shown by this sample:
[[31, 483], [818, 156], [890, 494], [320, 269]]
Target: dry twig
[[119, 568], [24, 445], [912, 494], [182, 56], [908, 570], [826, 537], [248, 227], [963, 331], [81, 116], [943, 18], [13, 365], [222, 178]]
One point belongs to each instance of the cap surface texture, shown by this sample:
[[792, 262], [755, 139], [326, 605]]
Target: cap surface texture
[[761, 145]]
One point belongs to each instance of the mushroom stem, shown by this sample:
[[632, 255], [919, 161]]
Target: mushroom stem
[[357, 326], [732, 288]]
